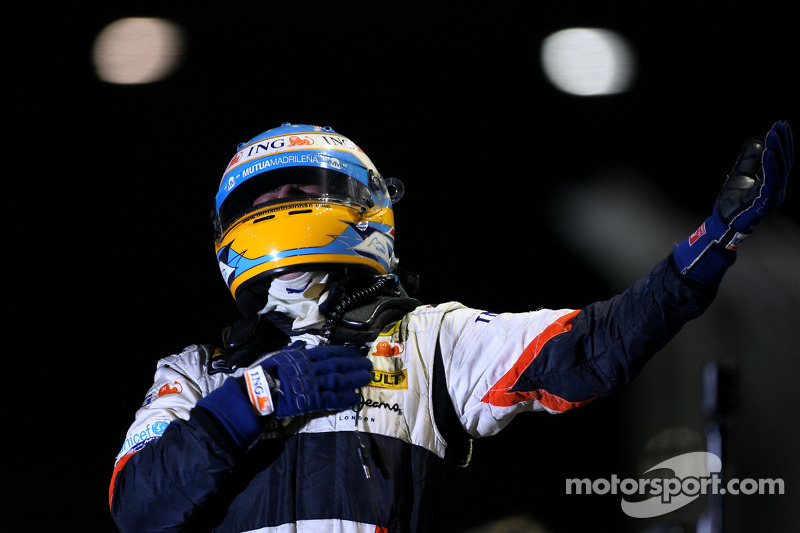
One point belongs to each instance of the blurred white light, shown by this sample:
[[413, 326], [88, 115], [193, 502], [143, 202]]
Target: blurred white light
[[588, 61], [137, 50]]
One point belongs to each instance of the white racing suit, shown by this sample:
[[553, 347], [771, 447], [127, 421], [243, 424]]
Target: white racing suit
[[442, 374]]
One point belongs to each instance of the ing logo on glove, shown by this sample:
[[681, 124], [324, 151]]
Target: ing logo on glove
[[258, 390]]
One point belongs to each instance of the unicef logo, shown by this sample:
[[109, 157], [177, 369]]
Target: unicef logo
[[159, 427]]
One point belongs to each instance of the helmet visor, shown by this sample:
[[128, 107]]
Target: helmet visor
[[288, 184]]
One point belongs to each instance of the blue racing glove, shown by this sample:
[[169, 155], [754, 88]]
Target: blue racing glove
[[303, 380], [754, 189], [290, 382]]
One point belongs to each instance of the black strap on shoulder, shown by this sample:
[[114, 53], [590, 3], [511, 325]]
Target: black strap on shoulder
[[365, 322], [459, 442], [244, 340]]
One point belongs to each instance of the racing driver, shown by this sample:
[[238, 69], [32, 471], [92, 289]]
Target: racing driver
[[337, 400]]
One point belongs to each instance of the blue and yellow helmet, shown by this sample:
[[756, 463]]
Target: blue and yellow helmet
[[300, 197]]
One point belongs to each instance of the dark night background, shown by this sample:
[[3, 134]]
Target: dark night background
[[517, 196]]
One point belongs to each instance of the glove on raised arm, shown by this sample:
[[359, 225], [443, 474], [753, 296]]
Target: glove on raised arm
[[290, 382], [754, 189]]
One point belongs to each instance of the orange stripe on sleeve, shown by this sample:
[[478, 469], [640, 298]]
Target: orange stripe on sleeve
[[117, 470], [501, 394]]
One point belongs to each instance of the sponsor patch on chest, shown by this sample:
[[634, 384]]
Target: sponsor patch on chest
[[386, 379]]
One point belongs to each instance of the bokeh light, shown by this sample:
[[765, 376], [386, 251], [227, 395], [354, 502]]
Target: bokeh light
[[588, 61], [137, 50]]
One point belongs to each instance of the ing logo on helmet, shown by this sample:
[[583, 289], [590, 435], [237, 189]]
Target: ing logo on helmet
[[269, 146], [295, 140]]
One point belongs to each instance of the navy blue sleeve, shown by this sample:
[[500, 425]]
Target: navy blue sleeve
[[162, 485], [610, 341]]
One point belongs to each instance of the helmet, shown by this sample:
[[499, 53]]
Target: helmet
[[299, 198]]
